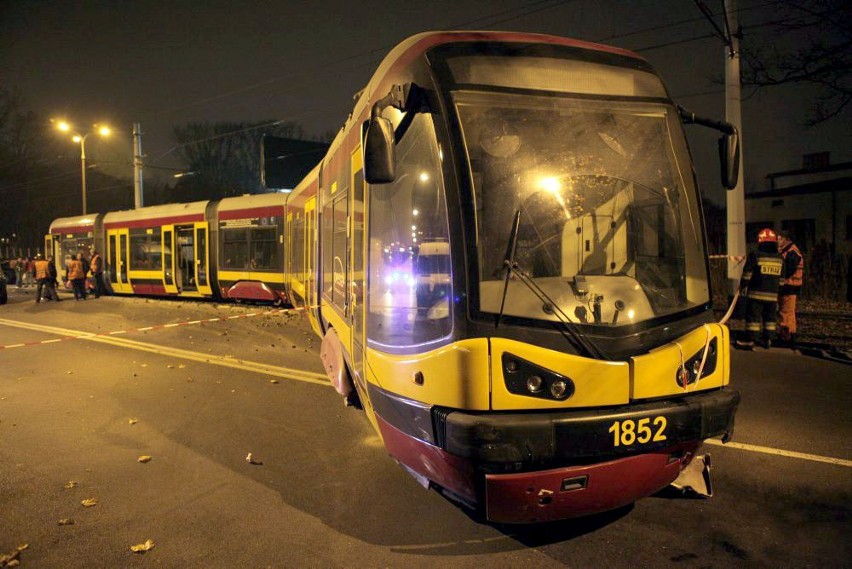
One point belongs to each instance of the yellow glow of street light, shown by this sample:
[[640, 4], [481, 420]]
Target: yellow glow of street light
[[77, 138], [63, 126], [104, 131]]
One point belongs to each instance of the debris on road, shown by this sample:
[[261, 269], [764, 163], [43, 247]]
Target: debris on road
[[143, 547], [12, 559], [66, 522], [70, 484], [250, 459], [89, 502], [132, 421], [144, 458]]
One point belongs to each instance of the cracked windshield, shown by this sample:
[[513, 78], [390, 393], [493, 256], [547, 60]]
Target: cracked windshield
[[609, 220]]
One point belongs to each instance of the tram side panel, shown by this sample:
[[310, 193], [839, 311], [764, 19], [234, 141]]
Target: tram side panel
[[160, 250], [302, 247], [250, 241], [70, 236]]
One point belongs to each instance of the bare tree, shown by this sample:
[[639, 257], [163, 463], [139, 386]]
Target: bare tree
[[811, 44], [223, 159]]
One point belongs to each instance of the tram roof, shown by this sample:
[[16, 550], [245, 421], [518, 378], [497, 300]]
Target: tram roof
[[409, 49], [248, 201], [157, 212], [88, 220]]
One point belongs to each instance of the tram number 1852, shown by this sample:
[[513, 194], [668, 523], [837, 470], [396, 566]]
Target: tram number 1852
[[628, 431]]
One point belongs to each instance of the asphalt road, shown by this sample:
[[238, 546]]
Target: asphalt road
[[201, 386]]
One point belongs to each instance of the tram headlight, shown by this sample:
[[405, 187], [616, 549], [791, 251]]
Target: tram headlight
[[558, 389], [523, 377], [534, 383]]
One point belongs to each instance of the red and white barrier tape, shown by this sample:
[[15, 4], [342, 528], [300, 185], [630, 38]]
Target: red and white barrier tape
[[156, 327]]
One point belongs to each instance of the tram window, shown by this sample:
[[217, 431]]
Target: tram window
[[264, 249], [145, 250], [70, 247], [234, 249], [408, 301]]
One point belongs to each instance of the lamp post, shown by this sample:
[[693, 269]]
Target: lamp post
[[81, 140]]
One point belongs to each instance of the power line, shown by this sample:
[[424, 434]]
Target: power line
[[330, 66]]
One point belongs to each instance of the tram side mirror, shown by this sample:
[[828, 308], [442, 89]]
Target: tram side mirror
[[729, 158], [379, 151]]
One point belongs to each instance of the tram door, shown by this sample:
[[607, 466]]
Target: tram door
[[202, 259], [310, 262], [168, 242], [192, 270], [185, 259], [48, 245], [117, 240], [358, 276]]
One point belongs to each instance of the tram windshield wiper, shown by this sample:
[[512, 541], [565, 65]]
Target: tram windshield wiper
[[569, 329]]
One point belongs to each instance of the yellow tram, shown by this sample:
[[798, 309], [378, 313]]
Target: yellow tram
[[504, 254]]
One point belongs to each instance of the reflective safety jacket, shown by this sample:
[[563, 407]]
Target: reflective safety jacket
[[96, 264], [42, 269], [75, 270], [762, 276], [793, 271]]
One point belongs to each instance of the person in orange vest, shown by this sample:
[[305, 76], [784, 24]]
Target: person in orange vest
[[791, 286], [44, 279], [759, 285], [77, 276], [97, 267]]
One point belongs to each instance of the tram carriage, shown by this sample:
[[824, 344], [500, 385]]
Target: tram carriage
[[232, 249], [511, 276], [504, 253], [69, 236]]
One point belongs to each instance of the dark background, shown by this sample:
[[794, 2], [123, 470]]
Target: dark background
[[191, 73]]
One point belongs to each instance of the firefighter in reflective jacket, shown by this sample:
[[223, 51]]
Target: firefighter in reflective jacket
[[759, 285], [791, 286]]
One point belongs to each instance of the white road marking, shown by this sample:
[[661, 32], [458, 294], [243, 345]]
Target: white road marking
[[781, 452], [225, 361]]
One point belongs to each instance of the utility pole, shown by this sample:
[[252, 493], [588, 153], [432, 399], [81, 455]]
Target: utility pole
[[735, 198], [733, 114], [138, 194]]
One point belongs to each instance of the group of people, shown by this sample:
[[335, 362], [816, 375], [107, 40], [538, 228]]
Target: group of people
[[771, 284], [23, 267], [76, 269]]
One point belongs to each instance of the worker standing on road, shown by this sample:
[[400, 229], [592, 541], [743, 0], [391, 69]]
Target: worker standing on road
[[97, 268], [791, 286], [77, 276], [44, 279], [759, 285]]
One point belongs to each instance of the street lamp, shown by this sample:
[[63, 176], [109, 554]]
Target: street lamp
[[101, 130]]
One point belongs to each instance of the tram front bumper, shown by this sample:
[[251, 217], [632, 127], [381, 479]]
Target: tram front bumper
[[526, 439]]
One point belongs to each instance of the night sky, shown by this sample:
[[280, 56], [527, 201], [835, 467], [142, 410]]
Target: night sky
[[165, 64]]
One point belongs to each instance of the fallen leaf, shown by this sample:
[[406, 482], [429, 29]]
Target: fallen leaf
[[144, 458], [250, 459], [70, 484], [170, 366], [132, 421], [66, 522], [70, 372], [273, 381], [181, 366], [143, 547], [89, 502]]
